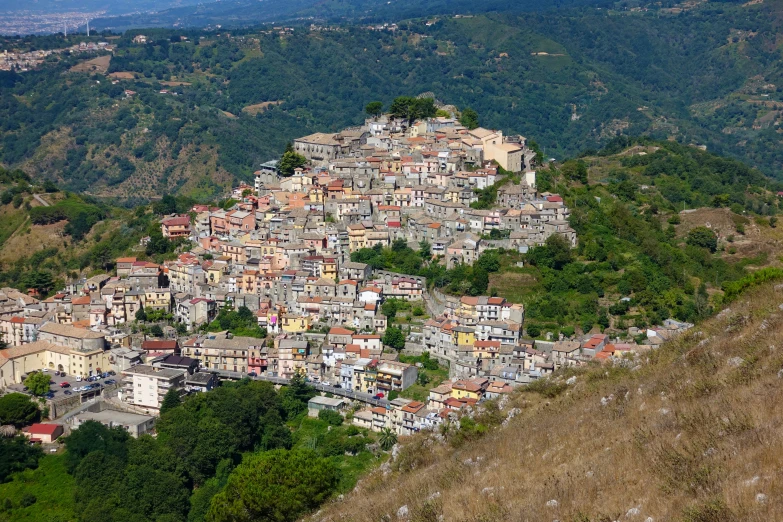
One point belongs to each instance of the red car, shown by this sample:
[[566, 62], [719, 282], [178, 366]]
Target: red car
[[64, 385]]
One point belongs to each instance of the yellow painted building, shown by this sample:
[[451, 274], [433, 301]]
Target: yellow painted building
[[466, 390], [295, 323]]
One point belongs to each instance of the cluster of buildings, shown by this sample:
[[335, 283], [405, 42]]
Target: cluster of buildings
[[283, 251], [26, 61]]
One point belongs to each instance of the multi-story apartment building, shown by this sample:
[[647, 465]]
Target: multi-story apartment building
[[145, 386]]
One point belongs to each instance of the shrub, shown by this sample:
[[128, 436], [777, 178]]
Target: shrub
[[331, 417]]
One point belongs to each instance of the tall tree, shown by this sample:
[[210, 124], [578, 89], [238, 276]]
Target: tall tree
[[93, 436], [40, 281], [394, 337], [38, 383], [469, 118], [275, 486], [18, 409], [290, 161], [170, 400], [17, 455], [374, 109]]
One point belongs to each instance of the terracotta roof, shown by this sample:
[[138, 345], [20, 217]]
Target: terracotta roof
[[159, 345], [336, 330], [42, 429]]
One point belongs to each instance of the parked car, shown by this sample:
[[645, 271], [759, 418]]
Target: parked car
[[64, 384], [25, 389], [378, 396], [78, 378], [45, 370], [252, 374], [110, 381], [105, 374], [68, 392], [49, 395], [112, 372], [337, 385]]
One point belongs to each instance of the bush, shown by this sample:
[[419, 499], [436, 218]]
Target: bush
[[331, 417], [703, 237], [546, 388], [27, 500]]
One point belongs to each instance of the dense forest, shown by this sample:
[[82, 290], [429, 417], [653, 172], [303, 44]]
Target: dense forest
[[207, 107], [212, 454]]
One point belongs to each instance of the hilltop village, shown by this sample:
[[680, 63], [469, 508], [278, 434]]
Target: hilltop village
[[280, 262]]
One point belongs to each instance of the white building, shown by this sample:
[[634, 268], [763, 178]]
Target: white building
[[145, 385]]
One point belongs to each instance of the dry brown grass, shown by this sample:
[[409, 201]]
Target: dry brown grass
[[99, 64], [260, 107], [121, 75], [691, 432]]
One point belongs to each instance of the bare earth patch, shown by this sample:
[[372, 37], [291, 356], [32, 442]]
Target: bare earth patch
[[122, 75], [260, 107], [99, 64], [174, 83]]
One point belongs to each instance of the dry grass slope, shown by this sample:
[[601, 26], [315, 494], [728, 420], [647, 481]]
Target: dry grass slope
[[691, 432]]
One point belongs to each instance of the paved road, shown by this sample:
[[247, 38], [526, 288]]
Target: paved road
[[41, 200], [342, 392]]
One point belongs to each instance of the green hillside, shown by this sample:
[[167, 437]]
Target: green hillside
[[570, 80]]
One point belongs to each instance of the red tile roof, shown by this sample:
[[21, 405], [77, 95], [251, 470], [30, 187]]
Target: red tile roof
[[43, 429]]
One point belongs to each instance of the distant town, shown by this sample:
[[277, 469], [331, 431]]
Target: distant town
[[25, 61]]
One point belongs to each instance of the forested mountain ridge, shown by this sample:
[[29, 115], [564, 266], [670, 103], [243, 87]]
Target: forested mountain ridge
[[570, 80]]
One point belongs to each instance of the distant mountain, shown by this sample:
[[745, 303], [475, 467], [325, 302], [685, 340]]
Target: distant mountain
[[244, 13]]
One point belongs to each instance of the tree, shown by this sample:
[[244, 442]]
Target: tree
[[394, 337], [16, 454], [141, 315], [533, 330], [290, 161], [469, 118], [156, 331], [275, 486], [425, 249], [170, 400], [38, 383], [41, 282], [575, 170], [387, 439], [295, 396], [154, 493], [94, 436], [374, 109], [18, 409], [703, 237], [167, 205], [410, 109], [389, 308]]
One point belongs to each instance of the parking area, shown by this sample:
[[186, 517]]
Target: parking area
[[74, 386]]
